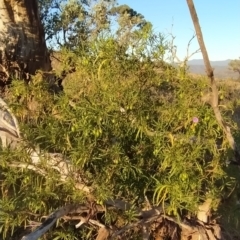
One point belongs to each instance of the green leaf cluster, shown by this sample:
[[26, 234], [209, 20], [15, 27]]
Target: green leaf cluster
[[128, 124]]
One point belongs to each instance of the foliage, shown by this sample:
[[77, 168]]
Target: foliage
[[133, 132], [234, 65], [76, 22], [126, 121]]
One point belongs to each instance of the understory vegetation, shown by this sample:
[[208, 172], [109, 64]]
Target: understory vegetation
[[131, 132], [133, 128]]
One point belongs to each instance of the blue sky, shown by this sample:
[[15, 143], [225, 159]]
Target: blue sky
[[220, 24]]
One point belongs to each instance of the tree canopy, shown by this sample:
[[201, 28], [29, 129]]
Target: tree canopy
[[74, 23]]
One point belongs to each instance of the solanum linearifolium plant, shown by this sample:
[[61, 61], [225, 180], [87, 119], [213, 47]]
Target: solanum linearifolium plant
[[130, 130]]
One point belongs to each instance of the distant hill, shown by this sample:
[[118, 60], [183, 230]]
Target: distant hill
[[221, 70], [223, 63]]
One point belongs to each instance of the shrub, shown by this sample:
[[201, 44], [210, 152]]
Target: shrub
[[130, 131]]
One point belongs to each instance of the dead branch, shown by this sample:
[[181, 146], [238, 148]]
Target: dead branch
[[188, 47], [43, 172], [173, 49], [10, 136], [60, 213], [48, 223], [143, 221]]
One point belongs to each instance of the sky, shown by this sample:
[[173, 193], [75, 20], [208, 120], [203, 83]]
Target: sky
[[219, 20]]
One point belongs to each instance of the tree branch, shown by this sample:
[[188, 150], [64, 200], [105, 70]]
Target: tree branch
[[48, 223], [41, 171]]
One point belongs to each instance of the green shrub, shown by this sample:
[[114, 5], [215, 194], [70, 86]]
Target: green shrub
[[132, 132]]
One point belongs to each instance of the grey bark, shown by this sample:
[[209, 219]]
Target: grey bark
[[22, 40]]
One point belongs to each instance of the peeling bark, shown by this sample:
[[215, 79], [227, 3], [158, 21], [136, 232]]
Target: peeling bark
[[22, 40]]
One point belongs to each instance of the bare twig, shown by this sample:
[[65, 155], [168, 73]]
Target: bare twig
[[82, 221], [173, 49], [188, 47], [144, 218]]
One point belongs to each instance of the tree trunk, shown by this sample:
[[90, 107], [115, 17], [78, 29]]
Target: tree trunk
[[22, 41], [210, 74]]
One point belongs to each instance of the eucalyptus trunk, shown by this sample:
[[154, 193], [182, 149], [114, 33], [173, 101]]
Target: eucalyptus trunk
[[22, 40]]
